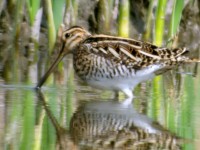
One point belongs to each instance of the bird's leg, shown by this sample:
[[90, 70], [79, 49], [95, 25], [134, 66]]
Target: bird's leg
[[129, 98], [116, 95], [128, 92]]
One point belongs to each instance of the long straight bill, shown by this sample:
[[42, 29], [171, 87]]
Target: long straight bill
[[50, 70]]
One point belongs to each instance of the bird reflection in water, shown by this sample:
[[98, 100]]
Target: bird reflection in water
[[112, 125], [107, 125]]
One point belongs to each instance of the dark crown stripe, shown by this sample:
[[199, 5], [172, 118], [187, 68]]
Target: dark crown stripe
[[98, 38], [74, 29]]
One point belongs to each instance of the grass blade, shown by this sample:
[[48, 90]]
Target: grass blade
[[51, 25], [149, 21], [58, 9], [123, 28], [33, 7], [175, 17], [160, 21]]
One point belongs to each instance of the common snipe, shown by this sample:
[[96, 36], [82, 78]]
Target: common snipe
[[109, 125], [114, 63]]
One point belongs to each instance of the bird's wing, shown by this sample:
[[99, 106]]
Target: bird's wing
[[129, 51]]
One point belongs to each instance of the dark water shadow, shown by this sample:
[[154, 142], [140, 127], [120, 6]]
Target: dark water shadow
[[110, 125]]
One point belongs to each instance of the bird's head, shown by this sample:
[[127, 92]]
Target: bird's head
[[69, 40]]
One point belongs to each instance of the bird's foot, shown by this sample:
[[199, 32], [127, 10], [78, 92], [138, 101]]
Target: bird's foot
[[129, 98], [116, 95]]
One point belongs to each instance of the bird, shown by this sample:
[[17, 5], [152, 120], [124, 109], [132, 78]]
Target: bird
[[109, 125], [115, 63]]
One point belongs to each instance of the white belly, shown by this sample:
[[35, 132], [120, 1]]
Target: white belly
[[119, 83]]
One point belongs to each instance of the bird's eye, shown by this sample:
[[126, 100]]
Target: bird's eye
[[67, 35]]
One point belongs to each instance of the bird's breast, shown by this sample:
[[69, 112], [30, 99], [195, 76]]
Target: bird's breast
[[94, 67]]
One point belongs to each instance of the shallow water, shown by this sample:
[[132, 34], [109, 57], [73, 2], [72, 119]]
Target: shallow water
[[72, 115]]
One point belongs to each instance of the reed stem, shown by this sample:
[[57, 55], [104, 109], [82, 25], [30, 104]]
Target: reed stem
[[160, 21], [51, 25], [123, 28]]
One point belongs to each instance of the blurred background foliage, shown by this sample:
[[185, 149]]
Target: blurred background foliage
[[28, 36], [153, 19]]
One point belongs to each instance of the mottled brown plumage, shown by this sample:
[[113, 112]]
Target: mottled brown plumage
[[115, 63], [109, 125]]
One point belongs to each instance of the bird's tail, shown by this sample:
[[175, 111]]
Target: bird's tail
[[181, 53], [192, 60]]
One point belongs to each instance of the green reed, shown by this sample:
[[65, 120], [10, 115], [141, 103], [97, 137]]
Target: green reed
[[187, 109], [103, 20], [54, 11], [175, 18], [58, 9], [48, 140], [160, 22], [156, 98], [38, 130], [158, 40], [148, 26], [71, 13], [159, 33], [66, 18], [171, 97], [51, 25], [15, 110], [28, 122], [195, 104], [105, 16], [123, 23], [35, 18], [18, 15], [70, 97], [75, 5], [32, 7]]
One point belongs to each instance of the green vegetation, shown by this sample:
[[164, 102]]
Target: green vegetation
[[123, 28], [51, 25], [32, 7], [66, 11], [175, 17], [159, 22], [28, 120]]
